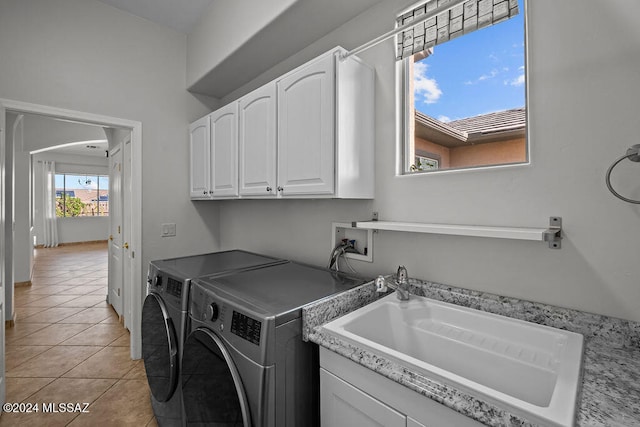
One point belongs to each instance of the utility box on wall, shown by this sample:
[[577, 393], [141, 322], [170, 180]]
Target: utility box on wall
[[363, 240]]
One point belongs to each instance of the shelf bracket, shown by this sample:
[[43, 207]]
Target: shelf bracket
[[553, 234]]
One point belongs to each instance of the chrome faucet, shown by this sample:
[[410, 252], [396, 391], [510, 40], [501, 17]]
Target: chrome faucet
[[400, 284], [402, 280]]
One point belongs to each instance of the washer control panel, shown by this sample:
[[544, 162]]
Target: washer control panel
[[246, 327]]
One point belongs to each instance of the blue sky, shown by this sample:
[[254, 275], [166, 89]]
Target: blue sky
[[477, 73]]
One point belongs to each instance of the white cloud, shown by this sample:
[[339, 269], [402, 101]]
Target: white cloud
[[488, 76], [424, 86], [518, 81], [444, 119]]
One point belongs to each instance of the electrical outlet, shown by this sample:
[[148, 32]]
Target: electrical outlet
[[168, 230]]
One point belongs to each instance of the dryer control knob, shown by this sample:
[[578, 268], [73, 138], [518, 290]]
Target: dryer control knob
[[213, 312], [158, 281]]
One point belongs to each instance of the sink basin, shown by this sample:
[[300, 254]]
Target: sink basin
[[528, 369]]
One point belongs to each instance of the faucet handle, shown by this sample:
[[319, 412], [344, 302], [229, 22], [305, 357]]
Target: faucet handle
[[402, 275], [381, 284]]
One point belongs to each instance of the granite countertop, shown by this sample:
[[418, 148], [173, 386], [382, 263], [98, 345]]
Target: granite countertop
[[610, 393]]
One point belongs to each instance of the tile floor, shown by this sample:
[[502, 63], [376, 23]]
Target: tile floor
[[67, 346]]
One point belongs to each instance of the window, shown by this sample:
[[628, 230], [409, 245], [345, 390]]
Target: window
[[465, 100], [82, 195]]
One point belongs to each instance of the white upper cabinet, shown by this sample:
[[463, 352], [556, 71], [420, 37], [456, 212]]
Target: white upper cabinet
[[306, 117], [224, 152], [199, 137], [257, 142], [308, 134]]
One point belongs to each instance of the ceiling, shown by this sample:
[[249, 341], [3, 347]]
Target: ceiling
[[96, 148], [179, 15]]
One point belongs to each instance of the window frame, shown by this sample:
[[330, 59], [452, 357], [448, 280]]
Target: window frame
[[65, 191], [404, 156]]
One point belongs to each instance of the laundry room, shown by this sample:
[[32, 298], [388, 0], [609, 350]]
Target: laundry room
[[374, 212]]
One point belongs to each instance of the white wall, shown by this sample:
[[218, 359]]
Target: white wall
[[583, 69], [223, 28], [43, 132], [84, 55]]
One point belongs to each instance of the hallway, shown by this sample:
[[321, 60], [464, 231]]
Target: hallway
[[67, 346]]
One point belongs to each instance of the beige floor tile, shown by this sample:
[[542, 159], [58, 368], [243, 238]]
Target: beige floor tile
[[39, 419], [18, 389], [21, 330], [24, 312], [110, 362], [53, 334], [123, 341], [90, 315], [18, 354], [49, 301], [72, 390], [21, 300], [125, 404], [52, 315], [102, 335], [77, 281], [53, 362], [85, 290], [50, 290], [152, 423], [137, 372], [84, 301]]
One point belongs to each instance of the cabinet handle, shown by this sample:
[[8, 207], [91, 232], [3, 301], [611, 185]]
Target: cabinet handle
[[269, 189], [210, 192], [280, 188], [204, 192]]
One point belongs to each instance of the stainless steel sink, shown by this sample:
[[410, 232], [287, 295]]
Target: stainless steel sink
[[529, 369]]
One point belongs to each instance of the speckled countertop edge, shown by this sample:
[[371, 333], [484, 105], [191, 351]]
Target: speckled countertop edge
[[610, 394]]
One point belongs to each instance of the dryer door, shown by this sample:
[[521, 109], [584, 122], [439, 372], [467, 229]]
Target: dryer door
[[212, 392], [159, 348]]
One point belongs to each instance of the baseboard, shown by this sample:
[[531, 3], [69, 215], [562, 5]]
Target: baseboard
[[22, 284], [88, 242], [10, 323]]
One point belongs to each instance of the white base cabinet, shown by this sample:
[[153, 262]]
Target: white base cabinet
[[352, 395], [307, 134]]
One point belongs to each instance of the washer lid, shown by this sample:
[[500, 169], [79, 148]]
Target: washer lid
[[214, 263], [281, 290]]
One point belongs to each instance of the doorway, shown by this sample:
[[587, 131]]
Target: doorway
[[131, 290]]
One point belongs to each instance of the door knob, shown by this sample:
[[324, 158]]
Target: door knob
[[126, 245], [111, 237]]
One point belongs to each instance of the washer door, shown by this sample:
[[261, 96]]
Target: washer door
[[212, 391], [159, 348]]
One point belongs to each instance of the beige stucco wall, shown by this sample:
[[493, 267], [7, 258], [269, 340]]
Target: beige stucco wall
[[492, 153]]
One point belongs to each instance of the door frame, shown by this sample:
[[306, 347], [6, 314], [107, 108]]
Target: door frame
[[134, 293]]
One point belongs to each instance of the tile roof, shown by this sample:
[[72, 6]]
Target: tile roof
[[492, 122], [483, 128]]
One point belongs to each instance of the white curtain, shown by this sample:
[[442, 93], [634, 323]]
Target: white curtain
[[49, 204]]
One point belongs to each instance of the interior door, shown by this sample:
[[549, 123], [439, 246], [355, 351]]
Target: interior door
[[116, 232], [2, 220], [128, 256]]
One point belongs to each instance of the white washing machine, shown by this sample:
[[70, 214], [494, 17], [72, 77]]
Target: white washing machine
[[244, 361], [165, 320]]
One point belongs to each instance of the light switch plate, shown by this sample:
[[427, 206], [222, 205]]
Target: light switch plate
[[168, 230]]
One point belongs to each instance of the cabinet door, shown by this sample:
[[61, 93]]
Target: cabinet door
[[306, 129], [224, 151], [199, 140], [257, 142], [343, 405]]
